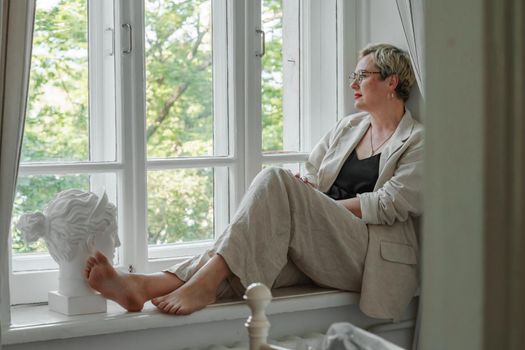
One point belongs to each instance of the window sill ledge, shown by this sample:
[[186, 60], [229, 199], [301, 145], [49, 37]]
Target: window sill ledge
[[38, 323]]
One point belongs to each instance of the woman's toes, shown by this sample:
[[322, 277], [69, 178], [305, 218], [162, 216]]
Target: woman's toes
[[161, 301], [161, 305], [158, 300], [173, 310], [169, 309]]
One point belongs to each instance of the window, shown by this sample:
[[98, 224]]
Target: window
[[140, 99], [70, 138]]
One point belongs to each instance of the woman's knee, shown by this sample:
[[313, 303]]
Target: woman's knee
[[274, 172], [271, 179]]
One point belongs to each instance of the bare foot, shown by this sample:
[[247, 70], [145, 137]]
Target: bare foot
[[191, 297], [125, 289], [198, 292]]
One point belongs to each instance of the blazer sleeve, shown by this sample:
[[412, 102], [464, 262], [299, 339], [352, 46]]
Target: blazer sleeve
[[315, 159], [400, 196]]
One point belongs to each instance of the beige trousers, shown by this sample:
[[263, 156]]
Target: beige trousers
[[286, 233]]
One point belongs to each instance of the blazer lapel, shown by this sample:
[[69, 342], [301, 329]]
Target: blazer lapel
[[402, 133], [351, 138]]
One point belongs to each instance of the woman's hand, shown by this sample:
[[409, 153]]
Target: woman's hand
[[354, 205], [304, 179]]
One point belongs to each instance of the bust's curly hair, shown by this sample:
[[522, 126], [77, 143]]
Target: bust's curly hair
[[70, 221]]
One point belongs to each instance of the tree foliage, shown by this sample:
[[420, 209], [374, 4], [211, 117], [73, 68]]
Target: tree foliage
[[272, 76], [179, 116]]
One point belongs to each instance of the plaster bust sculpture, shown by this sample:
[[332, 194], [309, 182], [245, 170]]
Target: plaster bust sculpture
[[74, 225]]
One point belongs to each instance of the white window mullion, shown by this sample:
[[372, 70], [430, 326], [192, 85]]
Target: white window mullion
[[253, 114], [181, 163], [67, 168], [291, 76], [101, 80], [131, 111], [102, 128], [347, 48], [236, 99], [282, 158], [220, 113], [307, 61]]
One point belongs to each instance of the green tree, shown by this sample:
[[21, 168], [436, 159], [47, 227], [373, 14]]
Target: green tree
[[56, 127], [57, 120], [272, 76]]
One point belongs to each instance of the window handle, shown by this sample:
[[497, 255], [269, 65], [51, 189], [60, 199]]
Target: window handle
[[130, 41], [263, 39], [109, 29]]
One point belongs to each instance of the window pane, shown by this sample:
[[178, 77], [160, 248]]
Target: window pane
[[57, 120], [179, 84], [280, 77], [180, 205], [272, 76], [32, 194]]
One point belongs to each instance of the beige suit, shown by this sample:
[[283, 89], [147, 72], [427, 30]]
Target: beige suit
[[286, 232], [390, 276]]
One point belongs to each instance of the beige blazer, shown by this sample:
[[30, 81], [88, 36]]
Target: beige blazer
[[390, 276]]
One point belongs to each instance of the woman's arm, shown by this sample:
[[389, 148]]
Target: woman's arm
[[354, 205], [401, 195]]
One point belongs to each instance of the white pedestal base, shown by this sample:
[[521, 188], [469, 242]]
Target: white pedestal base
[[80, 305]]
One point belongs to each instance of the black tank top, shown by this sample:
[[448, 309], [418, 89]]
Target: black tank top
[[356, 176]]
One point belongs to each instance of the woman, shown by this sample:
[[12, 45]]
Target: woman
[[347, 223]]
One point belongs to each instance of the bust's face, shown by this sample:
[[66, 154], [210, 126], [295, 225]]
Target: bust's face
[[106, 243]]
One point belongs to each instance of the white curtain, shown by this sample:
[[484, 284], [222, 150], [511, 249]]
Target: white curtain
[[411, 13], [16, 35]]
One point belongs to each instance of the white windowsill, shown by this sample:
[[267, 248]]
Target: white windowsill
[[38, 323]]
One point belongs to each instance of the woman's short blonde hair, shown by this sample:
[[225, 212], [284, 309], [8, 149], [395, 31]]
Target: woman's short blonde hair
[[392, 61]]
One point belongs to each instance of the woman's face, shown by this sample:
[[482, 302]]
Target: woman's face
[[371, 92]]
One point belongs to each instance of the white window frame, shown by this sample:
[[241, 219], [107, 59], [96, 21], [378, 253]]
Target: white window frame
[[240, 103]]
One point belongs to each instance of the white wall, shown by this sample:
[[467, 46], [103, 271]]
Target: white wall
[[454, 178], [385, 23], [473, 285], [380, 22]]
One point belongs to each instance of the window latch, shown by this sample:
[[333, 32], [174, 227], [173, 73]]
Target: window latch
[[130, 39], [112, 52], [263, 42]]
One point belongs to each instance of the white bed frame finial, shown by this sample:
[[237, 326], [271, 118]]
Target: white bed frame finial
[[258, 296]]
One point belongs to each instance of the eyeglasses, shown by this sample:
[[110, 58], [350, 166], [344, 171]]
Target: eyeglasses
[[359, 76]]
